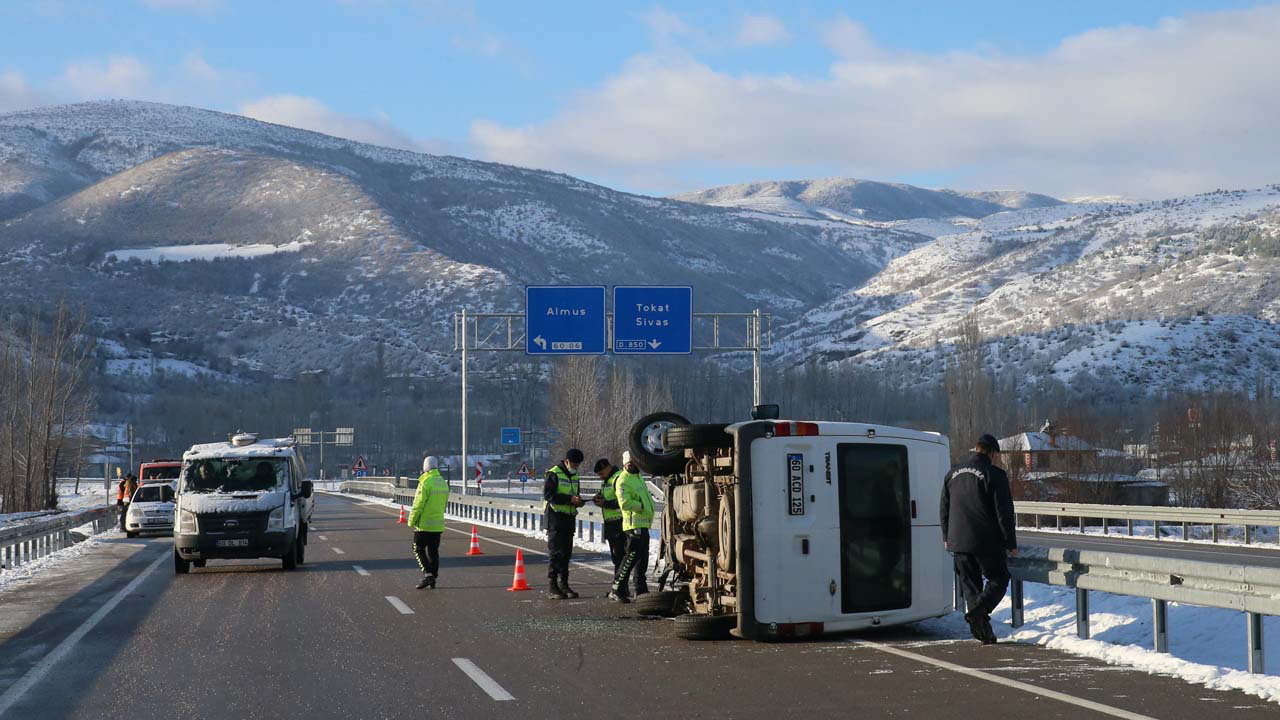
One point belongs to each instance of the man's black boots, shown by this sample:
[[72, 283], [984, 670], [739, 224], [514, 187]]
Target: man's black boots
[[427, 581], [564, 587], [556, 593]]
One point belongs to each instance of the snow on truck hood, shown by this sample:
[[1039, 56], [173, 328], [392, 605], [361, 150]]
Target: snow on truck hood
[[241, 502], [279, 447]]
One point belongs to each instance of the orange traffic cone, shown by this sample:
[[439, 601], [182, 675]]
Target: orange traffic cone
[[475, 542], [519, 583], [403, 518]]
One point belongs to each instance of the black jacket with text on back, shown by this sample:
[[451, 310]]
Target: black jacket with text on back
[[977, 508]]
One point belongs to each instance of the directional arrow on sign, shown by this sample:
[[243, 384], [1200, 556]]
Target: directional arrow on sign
[[540, 342], [655, 344]]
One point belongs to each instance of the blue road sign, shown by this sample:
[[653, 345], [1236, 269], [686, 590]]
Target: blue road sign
[[511, 436], [564, 320], [652, 320]]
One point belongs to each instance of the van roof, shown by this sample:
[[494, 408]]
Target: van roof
[[857, 429], [264, 447]]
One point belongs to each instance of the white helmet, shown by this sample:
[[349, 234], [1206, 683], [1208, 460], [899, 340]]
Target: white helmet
[[626, 457], [430, 463]]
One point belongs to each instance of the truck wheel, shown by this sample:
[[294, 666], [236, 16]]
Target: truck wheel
[[648, 448], [659, 604], [705, 627], [682, 437], [180, 566], [290, 559]]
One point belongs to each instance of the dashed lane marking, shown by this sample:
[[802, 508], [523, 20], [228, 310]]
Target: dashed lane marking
[[340, 551], [1024, 687], [481, 678], [360, 571], [398, 604], [322, 537], [42, 668]]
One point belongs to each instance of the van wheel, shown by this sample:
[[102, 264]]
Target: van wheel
[[301, 548], [199, 563], [660, 604], [682, 437], [130, 534], [180, 566], [705, 627], [648, 448], [290, 559]]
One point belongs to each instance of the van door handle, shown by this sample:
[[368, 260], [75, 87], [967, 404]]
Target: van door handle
[[804, 546], [833, 587]]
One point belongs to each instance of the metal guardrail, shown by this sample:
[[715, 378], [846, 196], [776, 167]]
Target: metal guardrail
[[1129, 514], [21, 544], [1253, 590], [515, 514]]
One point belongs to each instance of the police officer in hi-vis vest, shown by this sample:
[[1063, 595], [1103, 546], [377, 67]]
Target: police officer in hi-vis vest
[[637, 516], [560, 491], [426, 519], [607, 501]]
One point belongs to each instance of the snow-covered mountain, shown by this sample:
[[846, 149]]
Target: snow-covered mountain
[[280, 249], [1181, 293]]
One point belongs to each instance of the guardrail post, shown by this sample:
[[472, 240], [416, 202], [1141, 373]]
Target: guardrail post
[[591, 532], [1082, 613], [1214, 530], [1248, 535], [1081, 524], [1057, 521], [1015, 603], [1037, 516], [1255, 643], [1160, 625], [1185, 525], [1155, 528], [1129, 524], [579, 529]]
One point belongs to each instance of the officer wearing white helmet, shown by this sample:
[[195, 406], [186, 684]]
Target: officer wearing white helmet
[[637, 516], [427, 520]]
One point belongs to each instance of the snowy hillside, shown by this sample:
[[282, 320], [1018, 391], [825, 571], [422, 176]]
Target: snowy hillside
[[1176, 293], [283, 250]]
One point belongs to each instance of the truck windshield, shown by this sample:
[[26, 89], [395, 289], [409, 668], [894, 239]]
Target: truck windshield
[[231, 475], [161, 472]]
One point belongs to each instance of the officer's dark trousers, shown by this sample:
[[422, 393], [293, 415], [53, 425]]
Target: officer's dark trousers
[[612, 534], [971, 569], [560, 530], [426, 550], [636, 562]]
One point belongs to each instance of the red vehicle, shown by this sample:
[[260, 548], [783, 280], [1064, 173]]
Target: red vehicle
[[159, 471]]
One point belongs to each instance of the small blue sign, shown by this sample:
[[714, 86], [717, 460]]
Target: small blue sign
[[565, 320], [652, 320], [511, 436]]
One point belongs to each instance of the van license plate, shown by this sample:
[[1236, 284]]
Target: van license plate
[[795, 484], [243, 542]]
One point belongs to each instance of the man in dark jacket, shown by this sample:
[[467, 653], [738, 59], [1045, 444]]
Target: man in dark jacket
[[978, 528], [561, 492]]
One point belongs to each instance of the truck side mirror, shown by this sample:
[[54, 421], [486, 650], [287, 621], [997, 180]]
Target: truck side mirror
[[307, 487]]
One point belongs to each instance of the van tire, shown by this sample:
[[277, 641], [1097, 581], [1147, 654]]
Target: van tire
[[684, 437], [180, 566], [669, 462], [290, 559], [199, 563], [130, 534], [705, 627], [659, 604]]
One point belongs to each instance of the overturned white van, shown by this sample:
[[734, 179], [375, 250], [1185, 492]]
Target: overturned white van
[[778, 528]]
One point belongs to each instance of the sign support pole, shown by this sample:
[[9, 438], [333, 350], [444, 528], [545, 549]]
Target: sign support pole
[[464, 401], [756, 390]]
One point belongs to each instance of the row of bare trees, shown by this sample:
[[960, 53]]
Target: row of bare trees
[[594, 403], [46, 405]]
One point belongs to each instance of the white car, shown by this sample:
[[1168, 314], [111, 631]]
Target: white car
[[151, 510]]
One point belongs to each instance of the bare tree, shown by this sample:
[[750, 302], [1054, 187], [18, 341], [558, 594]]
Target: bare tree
[[969, 388]]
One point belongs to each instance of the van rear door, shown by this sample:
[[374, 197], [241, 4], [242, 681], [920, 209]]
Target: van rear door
[[874, 502]]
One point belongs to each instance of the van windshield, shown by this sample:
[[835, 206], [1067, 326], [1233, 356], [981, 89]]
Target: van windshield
[[161, 472], [232, 475]]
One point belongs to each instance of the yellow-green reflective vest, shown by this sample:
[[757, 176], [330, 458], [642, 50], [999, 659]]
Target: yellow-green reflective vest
[[635, 501], [568, 486], [610, 492], [429, 503]]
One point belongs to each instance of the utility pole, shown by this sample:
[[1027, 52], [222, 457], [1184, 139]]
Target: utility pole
[[129, 428], [464, 401]]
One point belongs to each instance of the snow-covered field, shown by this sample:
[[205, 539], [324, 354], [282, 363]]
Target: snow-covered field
[[91, 494], [211, 251], [26, 572]]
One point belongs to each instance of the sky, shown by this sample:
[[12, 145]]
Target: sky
[[1130, 97]]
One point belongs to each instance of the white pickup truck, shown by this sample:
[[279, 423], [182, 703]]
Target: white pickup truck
[[780, 528]]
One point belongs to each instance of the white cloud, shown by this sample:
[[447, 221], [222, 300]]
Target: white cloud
[[15, 94], [202, 6], [665, 24], [120, 76], [1186, 105], [762, 30], [311, 114]]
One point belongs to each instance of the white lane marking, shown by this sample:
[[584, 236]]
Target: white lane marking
[[387, 511], [360, 571], [481, 678], [398, 604], [322, 537], [340, 551], [42, 668], [1024, 687]]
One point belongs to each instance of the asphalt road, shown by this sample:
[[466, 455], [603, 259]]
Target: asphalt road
[[245, 639], [1257, 555]]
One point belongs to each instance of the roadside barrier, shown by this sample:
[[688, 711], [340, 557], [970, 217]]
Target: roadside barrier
[[1125, 517], [21, 544]]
